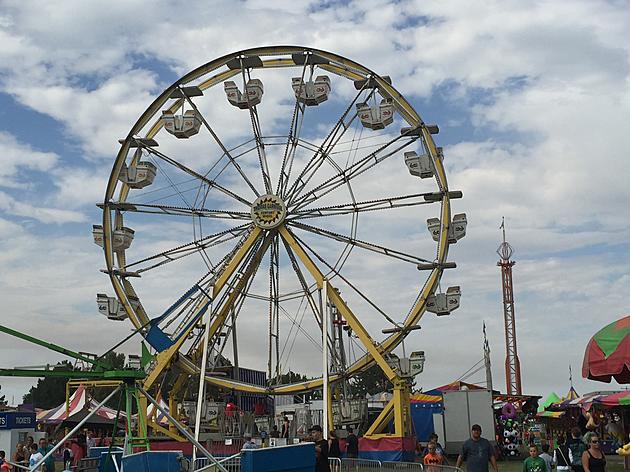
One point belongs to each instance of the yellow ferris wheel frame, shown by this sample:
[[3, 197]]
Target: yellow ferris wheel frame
[[274, 57]]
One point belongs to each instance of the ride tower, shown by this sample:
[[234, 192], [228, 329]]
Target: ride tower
[[512, 363]]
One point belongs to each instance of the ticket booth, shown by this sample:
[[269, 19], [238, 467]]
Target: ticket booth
[[15, 427]]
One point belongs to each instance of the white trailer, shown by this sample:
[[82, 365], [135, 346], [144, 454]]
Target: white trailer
[[462, 409]]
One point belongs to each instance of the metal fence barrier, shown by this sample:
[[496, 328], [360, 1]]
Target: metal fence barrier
[[232, 463], [359, 465], [335, 464], [411, 466]]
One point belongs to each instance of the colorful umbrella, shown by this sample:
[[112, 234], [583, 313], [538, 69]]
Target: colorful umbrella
[[608, 353]]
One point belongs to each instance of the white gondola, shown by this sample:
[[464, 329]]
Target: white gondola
[[311, 93], [121, 240], [254, 90], [419, 165], [456, 231], [140, 176], [182, 126], [444, 303], [376, 117], [112, 308]]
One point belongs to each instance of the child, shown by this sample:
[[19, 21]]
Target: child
[[547, 458], [534, 463], [35, 458], [4, 467], [432, 460]]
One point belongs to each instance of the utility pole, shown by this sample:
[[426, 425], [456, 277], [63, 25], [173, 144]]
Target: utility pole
[[512, 363]]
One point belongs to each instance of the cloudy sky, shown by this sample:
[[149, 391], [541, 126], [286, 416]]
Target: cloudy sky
[[533, 103]]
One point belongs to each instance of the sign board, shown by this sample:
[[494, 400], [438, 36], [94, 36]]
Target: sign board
[[17, 420]]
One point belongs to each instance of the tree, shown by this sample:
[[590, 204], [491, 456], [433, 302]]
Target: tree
[[49, 391]]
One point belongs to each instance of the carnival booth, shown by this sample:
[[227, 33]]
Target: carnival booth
[[79, 405], [15, 427]]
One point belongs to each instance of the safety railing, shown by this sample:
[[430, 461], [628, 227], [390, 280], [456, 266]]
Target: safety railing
[[231, 463], [359, 465], [410, 466], [335, 464]]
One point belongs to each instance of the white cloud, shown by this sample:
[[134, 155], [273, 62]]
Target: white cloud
[[17, 157], [42, 214]]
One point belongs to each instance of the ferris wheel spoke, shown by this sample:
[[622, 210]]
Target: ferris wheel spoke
[[193, 247], [321, 155], [368, 205], [346, 175], [237, 285], [293, 138], [360, 244], [202, 178], [346, 281], [226, 151], [180, 211], [260, 144], [307, 292]]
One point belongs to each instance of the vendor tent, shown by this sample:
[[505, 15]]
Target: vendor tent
[[550, 400], [79, 404], [608, 353]]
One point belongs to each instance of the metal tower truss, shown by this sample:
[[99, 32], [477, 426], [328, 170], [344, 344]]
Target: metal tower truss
[[512, 363]]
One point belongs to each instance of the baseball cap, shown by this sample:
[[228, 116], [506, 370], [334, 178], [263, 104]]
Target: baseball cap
[[316, 428], [475, 427]]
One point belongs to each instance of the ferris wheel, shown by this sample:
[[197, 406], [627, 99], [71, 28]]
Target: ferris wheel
[[260, 190]]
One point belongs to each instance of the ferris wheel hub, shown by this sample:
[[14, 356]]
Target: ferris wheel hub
[[268, 211]]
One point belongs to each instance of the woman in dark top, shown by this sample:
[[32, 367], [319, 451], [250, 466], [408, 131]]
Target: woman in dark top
[[333, 445], [593, 459]]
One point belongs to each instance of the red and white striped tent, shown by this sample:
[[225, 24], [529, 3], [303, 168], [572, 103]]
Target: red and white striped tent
[[80, 401]]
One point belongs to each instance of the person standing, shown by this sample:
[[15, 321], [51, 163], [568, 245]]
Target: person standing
[[249, 444], [477, 452], [285, 428], [562, 456], [19, 456], [321, 450], [593, 459], [45, 448], [4, 466], [547, 458], [274, 432], [35, 458], [90, 442], [333, 445], [577, 448], [432, 460], [534, 463], [352, 445]]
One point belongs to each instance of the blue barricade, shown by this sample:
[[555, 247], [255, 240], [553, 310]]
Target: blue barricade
[[153, 461], [298, 457]]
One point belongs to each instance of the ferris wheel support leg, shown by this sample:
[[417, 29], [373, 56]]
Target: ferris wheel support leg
[[164, 358], [381, 422]]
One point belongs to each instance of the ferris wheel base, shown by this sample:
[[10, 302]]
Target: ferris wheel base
[[387, 448]]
